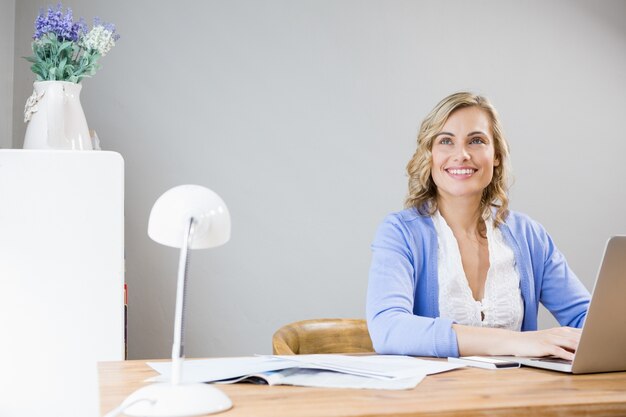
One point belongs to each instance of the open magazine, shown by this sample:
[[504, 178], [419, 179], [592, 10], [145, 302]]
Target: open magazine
[[332, 371], [325, 379]]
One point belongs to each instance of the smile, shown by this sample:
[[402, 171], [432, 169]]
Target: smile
[[464, 171]]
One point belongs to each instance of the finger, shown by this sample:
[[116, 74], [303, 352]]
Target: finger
[[573, 330], [559, 338], [565, 330], [567, 333], [567, 342], [562, 353]]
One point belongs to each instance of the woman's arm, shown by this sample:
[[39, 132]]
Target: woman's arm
[[393, 280], [554, 284], [558, 341], [562, 293]]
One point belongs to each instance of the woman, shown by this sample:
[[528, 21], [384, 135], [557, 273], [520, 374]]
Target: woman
[[456, 273]]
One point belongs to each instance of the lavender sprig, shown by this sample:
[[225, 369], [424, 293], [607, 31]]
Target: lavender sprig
[[101, 37], [63, 26]]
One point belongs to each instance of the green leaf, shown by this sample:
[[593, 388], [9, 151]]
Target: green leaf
[[40, 53], [65, 45], [36, 70]]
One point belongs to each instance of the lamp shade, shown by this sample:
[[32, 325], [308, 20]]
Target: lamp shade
[[172, 211]]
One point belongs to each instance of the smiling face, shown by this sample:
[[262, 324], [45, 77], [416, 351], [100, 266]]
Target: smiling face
[[463, 154]]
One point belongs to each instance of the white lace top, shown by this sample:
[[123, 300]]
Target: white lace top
[[502, 304]]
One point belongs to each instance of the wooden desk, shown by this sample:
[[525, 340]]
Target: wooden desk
[[463, 392]]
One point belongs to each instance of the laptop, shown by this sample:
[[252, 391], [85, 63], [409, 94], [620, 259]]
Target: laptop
[[602, 346]]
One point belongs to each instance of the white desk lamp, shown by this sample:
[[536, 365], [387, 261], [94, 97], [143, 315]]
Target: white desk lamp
[[186, 217]]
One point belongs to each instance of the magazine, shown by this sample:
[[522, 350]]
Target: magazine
[[332, 371]]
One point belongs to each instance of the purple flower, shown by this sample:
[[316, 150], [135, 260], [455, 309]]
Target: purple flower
[[63, 26], [78, 28]]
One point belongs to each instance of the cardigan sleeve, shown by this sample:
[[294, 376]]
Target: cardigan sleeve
[[396, 266], [561, 292]]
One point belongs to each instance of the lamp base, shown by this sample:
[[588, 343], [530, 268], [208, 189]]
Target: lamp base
[[182, 400]]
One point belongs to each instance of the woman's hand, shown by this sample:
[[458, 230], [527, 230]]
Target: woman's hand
[[561, 342]]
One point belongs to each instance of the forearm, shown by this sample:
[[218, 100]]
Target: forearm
[[558, 341], [485, 341]]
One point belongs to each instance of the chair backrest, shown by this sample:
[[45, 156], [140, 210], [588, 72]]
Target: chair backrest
[[322, 336]]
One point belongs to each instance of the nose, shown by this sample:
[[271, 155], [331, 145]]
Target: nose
[[462, 153]]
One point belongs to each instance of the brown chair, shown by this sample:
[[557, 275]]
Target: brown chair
[[322, 336]]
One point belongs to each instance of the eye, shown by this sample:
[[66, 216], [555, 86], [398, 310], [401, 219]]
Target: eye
[[477, 140], [445, 141]]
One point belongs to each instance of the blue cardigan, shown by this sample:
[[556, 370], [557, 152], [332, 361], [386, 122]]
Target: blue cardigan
[[402, 295]]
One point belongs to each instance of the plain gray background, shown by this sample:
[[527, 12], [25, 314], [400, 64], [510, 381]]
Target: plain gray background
[[303, 114], [7, 30]]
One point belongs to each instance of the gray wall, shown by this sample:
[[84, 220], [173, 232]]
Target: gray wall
[[302, 116], [7, 29]]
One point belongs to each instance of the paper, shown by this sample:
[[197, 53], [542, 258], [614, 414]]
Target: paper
[[210, 370], [328, 379], [332, 371], [375, 366]]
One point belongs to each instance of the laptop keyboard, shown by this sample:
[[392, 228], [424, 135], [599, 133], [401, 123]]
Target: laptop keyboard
[[555, 360]]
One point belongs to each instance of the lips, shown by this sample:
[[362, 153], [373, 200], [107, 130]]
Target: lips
[[461, 171]]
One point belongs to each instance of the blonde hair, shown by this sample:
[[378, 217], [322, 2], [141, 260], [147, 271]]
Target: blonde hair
[[422, 189]]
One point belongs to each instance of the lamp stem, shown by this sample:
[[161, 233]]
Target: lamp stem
[[178, 353]]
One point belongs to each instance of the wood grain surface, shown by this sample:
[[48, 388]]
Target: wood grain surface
[[462, 392]]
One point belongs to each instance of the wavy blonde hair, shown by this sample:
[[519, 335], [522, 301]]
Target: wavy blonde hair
[[422, 190]]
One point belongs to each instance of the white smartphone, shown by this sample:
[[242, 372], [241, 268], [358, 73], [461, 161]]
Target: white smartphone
[[484, 362]]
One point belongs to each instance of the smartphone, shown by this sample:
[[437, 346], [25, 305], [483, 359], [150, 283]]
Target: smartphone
[[485, 362]]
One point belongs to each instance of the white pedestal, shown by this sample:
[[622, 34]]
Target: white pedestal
[[61, 278]]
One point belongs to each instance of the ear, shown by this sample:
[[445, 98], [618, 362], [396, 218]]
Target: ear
[[496, 161]]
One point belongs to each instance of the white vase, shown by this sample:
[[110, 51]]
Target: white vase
[[55, 117]]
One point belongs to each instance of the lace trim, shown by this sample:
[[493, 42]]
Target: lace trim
[[502, 305]]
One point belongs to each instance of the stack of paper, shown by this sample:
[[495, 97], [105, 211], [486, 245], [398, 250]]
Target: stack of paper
[[333, 371]]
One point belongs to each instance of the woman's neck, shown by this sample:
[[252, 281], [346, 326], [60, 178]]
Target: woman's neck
[[461, 215]]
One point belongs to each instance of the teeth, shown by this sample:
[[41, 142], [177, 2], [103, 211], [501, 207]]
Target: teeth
[[461, 171]]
